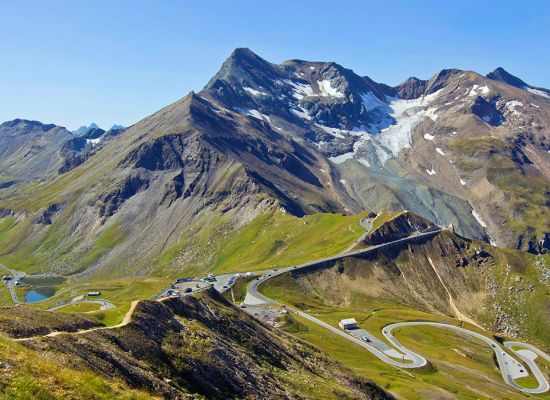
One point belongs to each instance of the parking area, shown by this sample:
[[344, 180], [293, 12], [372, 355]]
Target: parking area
[[184, 286]]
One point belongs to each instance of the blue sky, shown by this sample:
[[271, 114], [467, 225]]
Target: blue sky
[[74, 62]]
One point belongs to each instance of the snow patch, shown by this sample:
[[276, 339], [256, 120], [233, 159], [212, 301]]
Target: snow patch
[[342, 157], [534, 105], [462, 182], [93, 142], [336, 132], [478, 90], [326, 89], [342, 181], [299, 90], [537, 92], [254, 92], [370, 101], [512, 105], [439, 151], [478, 219], [430, 172], [253, 113], [302, 113], [427, 136]]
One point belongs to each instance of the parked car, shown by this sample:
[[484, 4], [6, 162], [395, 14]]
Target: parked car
[[366, 338], [188, 290]]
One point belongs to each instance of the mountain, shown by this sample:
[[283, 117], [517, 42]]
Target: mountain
[[262, 141], [30, 150], [500, 74], [83, 129]]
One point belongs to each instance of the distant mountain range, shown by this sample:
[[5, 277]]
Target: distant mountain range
[[299, 137]]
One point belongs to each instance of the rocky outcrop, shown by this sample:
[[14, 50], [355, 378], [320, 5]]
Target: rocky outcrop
[[164, 153], [46, 217], [111, 202], [399, 227]]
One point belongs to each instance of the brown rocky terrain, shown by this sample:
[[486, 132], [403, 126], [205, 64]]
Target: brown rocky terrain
[[203, 347]]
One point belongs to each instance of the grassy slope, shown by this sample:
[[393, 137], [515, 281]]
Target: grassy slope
[[526, 193], [273, 239], [212, 243], [237, 293], [26, 375]]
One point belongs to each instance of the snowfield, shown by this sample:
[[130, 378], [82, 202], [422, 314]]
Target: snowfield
[[478, 219], [378, 143], [407, 114]]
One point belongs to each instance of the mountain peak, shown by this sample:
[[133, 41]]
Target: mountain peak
[[500, 74], [84, 129], [243, 66], [30, 123], [243, 52]]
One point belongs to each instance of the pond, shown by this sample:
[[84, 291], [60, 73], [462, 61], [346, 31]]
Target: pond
[[39, 294]]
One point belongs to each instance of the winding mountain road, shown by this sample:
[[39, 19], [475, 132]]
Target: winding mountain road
[[510, 368]]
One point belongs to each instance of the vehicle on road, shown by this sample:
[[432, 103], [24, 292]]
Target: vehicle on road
[[366, 339]]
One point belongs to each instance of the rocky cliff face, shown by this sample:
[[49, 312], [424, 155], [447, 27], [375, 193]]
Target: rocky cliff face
[[201, 346]]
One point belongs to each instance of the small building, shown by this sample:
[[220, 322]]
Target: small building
[[94, 294], [348, 323]]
